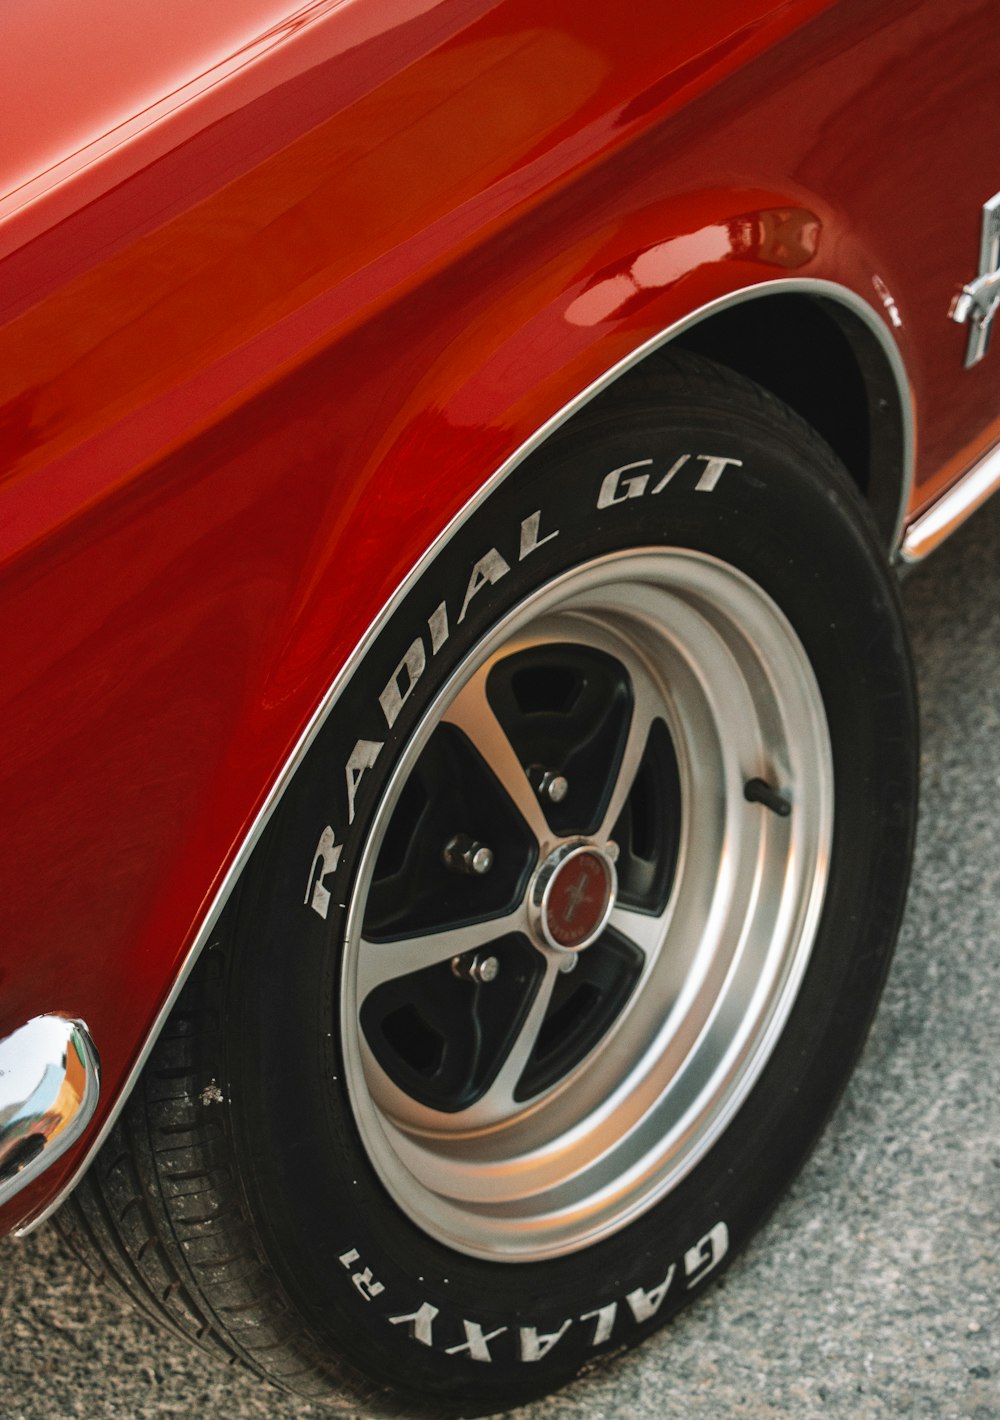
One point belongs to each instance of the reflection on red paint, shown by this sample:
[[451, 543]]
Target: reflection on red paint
[[782, 237]]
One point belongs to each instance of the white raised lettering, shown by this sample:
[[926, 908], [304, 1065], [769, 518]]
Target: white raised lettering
[[646, 1304], [400, 684], [671, 472], [529, 536], [487, 571], [633, 487], [437, 624], [534, 1347], [706, 1254], [364, 1281], [420, 1323], [475, 1342], [326, 858], [713, 471], [366, 1284], [363, 756], [605, 1322]]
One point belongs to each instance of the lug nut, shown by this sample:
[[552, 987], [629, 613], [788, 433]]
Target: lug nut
[[481, 970], [556, 788], [611, 850], [547, 784], [463, 854]]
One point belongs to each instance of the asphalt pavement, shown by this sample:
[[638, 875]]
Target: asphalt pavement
[[874, 1289]]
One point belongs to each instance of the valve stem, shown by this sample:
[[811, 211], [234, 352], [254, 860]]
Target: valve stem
[[759, 791]]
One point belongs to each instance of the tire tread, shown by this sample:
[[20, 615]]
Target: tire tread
[[164, 1221]]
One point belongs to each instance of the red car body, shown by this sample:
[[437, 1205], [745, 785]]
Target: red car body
[[282, 288]]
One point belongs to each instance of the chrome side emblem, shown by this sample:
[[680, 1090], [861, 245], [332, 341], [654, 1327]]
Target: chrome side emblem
[[977, 302]]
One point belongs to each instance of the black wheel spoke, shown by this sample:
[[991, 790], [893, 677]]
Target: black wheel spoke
[[648, 828], [441, 1035], [472, 714], [583, 1006], [416, 886], [566, 711]]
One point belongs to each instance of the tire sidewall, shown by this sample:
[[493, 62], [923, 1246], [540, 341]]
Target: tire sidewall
[[366, 1281]]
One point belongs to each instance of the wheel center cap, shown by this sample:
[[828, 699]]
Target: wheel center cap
[[574, 894]]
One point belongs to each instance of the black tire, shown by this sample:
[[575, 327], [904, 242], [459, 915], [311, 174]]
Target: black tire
[[269, 1187]]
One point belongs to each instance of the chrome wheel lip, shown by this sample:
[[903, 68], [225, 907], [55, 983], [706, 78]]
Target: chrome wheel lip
[[605, 1144]]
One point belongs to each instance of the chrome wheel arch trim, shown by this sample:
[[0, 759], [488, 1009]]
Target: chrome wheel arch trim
[[831, 292]]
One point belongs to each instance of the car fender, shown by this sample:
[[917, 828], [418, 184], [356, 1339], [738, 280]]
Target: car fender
[[210, 510]]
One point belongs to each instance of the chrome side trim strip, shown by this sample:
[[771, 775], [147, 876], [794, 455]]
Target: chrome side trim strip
[[49, 1086], [830, 291], [951, 510]]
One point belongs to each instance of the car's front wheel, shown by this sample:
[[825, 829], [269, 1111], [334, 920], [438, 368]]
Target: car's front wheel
[[564, 939]]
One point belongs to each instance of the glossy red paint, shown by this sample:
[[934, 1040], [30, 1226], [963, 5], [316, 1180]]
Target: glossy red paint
[[278, 295]]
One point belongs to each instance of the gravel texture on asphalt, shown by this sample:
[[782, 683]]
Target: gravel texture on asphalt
[[874, 1289]]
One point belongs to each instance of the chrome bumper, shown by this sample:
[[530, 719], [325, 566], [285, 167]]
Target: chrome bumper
[[49, 1085]]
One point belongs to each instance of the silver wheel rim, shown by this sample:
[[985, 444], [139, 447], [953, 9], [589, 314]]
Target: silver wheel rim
[[709, 654]]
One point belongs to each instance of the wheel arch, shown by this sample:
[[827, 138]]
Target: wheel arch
[[821, 357], [825, 353], [736, 329]]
